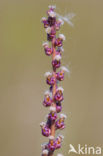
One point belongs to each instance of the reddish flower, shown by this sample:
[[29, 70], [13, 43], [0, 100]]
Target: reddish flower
[[59, 141], [60, 124], [59, 95], [58, 24], [45, 22], [60, 75], [58, 108], [46, 131], [56, 62], [51, 144], [52, 115], [48, 51], [47, 99], [59, 40], [50, 33]]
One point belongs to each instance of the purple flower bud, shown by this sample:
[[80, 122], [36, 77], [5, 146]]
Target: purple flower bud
[[58, 42], [50, 80], [52, 7], [56, 62], [47, 96], [58, 53], [47, 100], [48, 51], [59, 23], [60, 75], [52, 116], [51, 12], [60, 124], [58, 143], [49, 37], [59, 95], [50, 33], [59, 50], [45, 22], [51, 144], [46, 131], [51, 21], [58, 108]]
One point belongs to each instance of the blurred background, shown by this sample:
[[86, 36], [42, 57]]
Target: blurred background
[[22, 67]]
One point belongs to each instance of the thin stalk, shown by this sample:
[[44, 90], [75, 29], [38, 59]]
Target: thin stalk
[[53, 92]]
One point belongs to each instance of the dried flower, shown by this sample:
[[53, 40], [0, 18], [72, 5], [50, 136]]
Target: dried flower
[[63, 116], [59, 23], [62, 37], [51, 12], [64, 69], [59, 154], [45, 152]]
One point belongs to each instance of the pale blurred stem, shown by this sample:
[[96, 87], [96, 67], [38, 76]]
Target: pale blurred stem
[[54, 88], [53, 91]]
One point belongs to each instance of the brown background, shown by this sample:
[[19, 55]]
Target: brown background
[[23, 64]]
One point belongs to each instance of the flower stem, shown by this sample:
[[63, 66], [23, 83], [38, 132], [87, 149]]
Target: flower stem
[[53, 92]]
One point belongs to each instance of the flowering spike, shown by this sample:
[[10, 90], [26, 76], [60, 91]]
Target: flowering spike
[[54, 96]]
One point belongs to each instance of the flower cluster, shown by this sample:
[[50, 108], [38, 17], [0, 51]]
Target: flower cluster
[[53, 144], [54, 96]]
